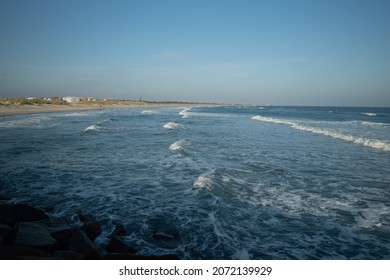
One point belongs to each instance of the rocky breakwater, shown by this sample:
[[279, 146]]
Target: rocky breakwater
[[29, 233]]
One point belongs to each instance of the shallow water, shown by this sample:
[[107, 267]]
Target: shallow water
[[227, 182]]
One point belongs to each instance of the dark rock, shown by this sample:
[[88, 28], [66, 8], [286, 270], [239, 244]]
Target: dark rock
[[67, 255], [115, 245], [92, 229], [4, 198], [58, 228], [11, 214], [85, 218], [6, 214], [12, 252], [34, 235], [120, 256], [119, 230], [164, 236], [116, 256], [168, 257], [5, 231], [80, 243], [36, 258]]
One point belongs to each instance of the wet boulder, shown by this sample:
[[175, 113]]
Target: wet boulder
[[115, 245], [35, 236], [80, 243]]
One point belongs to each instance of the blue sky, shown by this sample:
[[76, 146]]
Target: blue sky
[[275, 52]]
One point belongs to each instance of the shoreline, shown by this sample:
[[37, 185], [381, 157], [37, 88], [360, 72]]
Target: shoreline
[[36, 109]]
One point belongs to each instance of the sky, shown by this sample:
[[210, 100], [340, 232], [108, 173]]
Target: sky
[[326, 53]]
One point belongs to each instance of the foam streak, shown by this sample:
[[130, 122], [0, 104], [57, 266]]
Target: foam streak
[[372, 143]]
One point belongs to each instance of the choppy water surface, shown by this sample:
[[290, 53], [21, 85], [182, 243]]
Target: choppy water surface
[[226, 182]]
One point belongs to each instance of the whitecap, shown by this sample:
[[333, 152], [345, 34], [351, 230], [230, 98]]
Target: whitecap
[[185, 113], [373, 143], [205, 180], [179, 145], [93, 127], [242, 254], [172, 125], [373, 123], [149, 112], [369, 114]]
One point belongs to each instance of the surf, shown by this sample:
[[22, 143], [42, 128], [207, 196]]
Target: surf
[[372, 143], [172, 125]]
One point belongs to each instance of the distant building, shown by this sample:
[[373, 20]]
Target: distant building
[[71, 99]]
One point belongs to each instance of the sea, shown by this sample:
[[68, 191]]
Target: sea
[[217, 182]]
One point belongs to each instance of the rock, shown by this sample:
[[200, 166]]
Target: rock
[[5, 231], [92, 229], [116, 256], [36, 258], [4, 198], [11, 214], [67, 255], [119, 230], [6, 214], [120, 256], [12, 252], [80, 243], [57, 228], [168, 257], [85, 218], [115, 245], [34, 235]]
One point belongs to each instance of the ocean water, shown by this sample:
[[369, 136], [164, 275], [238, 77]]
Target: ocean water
[[225, 182]]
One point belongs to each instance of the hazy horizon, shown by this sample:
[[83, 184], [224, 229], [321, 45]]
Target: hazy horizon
[[332, 53]]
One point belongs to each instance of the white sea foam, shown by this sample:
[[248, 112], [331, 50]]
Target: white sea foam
[[172, 125], [98, 126], [241, 254], [93, 127], [26, 121], [185, 113], [205, 180], [374, 123], [149, 112], [373, 143], [179, 145], [369, 114]]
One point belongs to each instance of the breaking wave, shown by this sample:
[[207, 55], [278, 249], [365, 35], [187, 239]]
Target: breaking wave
[[372, 143], [98, 126], [179, 145], [205, 180], [172, 125], [149, 112], [93, 127], [185, 113], [369, 114]]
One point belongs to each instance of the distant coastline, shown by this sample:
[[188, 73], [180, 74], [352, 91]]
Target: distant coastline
[[23, 106]]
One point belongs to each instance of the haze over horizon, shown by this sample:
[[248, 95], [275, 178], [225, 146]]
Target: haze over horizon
[[326, 53]]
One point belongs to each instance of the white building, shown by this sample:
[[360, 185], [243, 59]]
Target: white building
[[71, 99]]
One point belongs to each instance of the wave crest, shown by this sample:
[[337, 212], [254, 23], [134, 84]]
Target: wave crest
[[369, 114], [372, 143], [179, 145], [172, 125]]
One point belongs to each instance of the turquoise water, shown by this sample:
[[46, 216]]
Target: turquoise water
[[226, 182]]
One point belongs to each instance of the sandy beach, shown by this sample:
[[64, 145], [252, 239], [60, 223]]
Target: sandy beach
[[47, 108]]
